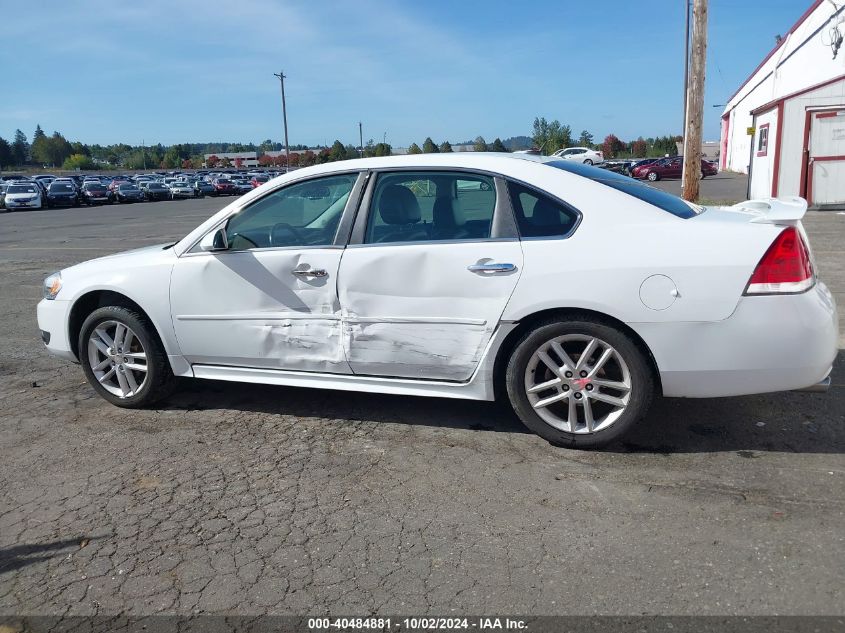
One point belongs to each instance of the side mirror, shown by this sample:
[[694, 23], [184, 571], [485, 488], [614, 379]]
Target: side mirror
[[215, 241]]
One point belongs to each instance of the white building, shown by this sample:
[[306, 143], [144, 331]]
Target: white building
[[247, 159], [785, 126]]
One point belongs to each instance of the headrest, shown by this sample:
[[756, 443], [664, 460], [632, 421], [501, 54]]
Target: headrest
[[446, 214], [398, 205], [545, 214]]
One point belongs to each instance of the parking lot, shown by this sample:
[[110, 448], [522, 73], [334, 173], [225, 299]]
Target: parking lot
[[257, 499]]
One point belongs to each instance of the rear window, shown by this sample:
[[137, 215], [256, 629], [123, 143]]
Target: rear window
[[660, 199]]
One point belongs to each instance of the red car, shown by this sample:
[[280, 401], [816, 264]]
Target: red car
[[257, 181], [670, 168], [224, 187]]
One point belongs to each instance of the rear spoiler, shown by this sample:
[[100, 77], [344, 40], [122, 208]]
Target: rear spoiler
[[787, 210]]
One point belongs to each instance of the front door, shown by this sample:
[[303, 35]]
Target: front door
[[425, 286], [269, 300]]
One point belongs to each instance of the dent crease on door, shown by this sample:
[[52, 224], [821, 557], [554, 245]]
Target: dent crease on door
[[449, 350], [415, 311]]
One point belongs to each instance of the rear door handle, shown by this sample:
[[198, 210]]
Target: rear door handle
[[310, 272], [491, 268]]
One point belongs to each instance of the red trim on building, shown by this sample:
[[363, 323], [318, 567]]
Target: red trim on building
[[778, 140], [772, 104], [765, 150], [800, 21], [723, 145], [827, 115], [819, 159]]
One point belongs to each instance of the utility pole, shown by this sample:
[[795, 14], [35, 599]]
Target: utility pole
[[361, 139], [695, 102], [282, 77], [144, 153], [686, 59]]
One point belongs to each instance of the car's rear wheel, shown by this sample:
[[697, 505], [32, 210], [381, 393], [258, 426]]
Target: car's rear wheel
[[588, 162], [578, 383], [653, 175], [123, 358]]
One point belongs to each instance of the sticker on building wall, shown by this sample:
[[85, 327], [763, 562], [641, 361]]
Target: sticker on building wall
[[838, 134], [750, 131]]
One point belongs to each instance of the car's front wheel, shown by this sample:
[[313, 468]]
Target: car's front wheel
[[123, 358], [578, 383], [588, 162], [653, 175]]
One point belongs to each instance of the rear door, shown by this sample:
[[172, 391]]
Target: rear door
[[433, 260]]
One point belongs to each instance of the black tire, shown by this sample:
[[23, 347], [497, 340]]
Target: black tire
[[159, 382], [642, 382], [653, 176], [588, 162]]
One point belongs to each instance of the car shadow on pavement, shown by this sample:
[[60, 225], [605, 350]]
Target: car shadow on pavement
[[778, 422], [19, 556]]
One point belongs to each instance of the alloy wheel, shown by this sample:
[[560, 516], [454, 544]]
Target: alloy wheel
[[578, 383], [117, 358]]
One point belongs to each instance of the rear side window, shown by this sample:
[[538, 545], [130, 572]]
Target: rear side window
[[431, 206], [538, 215], [660, 199]]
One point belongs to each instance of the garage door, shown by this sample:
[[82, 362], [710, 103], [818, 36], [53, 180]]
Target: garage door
[[827, 158]]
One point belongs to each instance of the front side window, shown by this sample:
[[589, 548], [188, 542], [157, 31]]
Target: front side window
[[538, 215], [431, 206], [302, 214]]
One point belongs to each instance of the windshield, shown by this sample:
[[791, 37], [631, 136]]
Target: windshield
[[660, 199], [60, 188], [128, 188], [22, 189]]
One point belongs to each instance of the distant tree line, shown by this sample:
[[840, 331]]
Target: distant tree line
[[57, 151]]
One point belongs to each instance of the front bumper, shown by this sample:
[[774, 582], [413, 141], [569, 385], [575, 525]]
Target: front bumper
[[770, 343], [53, 319]]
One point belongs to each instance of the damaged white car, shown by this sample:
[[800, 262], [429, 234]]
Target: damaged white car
[[573, 292]]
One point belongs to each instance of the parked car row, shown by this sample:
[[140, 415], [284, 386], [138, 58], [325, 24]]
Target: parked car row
[[46, 190]]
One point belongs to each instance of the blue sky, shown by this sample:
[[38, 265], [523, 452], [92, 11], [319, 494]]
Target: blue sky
[[178, 71]]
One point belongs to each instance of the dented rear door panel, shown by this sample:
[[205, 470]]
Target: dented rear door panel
[[416, 311]]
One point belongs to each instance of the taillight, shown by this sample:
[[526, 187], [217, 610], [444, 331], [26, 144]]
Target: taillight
[[785, 268]]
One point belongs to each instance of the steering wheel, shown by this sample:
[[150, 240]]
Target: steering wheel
[[289, 228]]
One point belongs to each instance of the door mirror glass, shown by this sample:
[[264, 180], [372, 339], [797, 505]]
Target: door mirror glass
[[215, 241]]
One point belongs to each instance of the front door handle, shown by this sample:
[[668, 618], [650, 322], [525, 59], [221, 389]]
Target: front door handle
[[310, 272], [491, 268]]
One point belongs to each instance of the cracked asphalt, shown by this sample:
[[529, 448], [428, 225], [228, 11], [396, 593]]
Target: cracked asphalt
[[255, 499]]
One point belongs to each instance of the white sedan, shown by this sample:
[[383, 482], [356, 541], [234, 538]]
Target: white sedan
[[583, 155], [573, 292]]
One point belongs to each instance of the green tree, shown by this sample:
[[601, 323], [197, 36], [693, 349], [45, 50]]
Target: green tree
[[57, 149], [414, 149], [586, 139], [445, 147], [480, 144], [498, 146], [79, 161], [337, 152], [429, 147], [20, 148], [40, 150], [5, 153], [550, 136]]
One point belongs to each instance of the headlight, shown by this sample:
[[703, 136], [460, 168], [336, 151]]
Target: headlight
[[52, 285]]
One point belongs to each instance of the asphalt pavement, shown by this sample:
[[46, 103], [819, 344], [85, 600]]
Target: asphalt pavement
[[258, 499]]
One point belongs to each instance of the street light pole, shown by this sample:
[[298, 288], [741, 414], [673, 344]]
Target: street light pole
[[361, 139], [281, 76]]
